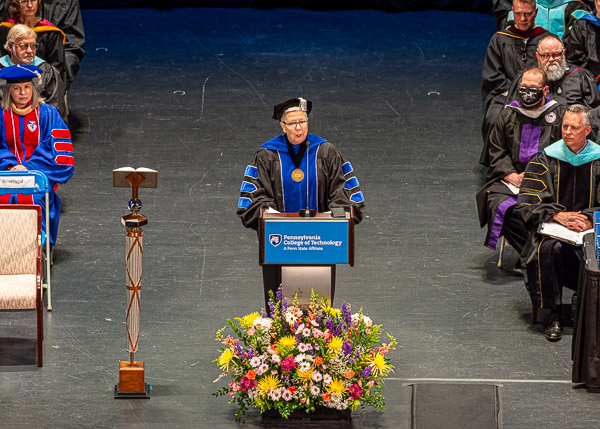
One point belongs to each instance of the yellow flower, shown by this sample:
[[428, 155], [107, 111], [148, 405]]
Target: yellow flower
[[379, 365], [267, 383], [306, 376], [336, 343], [247, 321], [354, 404], [285, 345], [333, 311], [288, 341], [225, 357], [336, 386]]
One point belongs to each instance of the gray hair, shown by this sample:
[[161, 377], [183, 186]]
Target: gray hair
[[553, 37], [17, 33], [580, 108], [7, 100]]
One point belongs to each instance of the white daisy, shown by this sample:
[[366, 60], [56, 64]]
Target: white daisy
[[326, 379], [255, 361], [317, 376], [275, 395], [304, 366], [314, 390], [287, 395]]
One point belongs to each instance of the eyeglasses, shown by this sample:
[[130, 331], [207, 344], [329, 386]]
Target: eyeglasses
[[24, 2], [292, 125], [24, 46], [555, 55]]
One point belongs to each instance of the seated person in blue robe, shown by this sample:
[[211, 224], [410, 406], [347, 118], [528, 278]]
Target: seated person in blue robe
[[33, 137]]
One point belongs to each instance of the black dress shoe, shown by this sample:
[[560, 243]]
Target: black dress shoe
[[554, 331]]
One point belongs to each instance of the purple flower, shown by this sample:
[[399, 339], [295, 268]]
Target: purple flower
[[347, 348], [338, 330], [366, 372], [346, 314], [329, 324]]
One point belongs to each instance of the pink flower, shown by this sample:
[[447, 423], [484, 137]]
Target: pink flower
[[355, 391], [288, 363], [246, 383], [251, 331]]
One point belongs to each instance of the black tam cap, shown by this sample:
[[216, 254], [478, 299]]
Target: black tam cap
[[290, 105]]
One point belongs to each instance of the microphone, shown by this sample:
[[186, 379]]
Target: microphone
[[307, 212]]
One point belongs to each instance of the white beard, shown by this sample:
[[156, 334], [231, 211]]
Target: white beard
[[555, 71]]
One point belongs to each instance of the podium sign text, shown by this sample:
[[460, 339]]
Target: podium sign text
[[306, 241]]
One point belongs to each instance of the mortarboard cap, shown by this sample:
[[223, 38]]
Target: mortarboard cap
[[20, 73], [291, 105]]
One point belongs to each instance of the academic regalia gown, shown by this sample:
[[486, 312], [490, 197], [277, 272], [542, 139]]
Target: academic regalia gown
[[556, 180], [508, 52], [515, 138], [267, 183], [39, 141], [583, 44], [556, 16], [50, 40], [51, 89], [577, 86], [66, 15]]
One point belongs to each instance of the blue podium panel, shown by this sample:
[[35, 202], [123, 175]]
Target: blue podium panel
[[306, 241]]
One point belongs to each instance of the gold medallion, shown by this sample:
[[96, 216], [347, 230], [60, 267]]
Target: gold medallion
[[297, 175]]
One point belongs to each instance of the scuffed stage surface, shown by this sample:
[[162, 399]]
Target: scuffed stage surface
[[189, 92]]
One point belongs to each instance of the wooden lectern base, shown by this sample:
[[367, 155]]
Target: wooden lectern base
[[131, 380]]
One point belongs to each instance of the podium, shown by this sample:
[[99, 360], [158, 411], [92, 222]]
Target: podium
[[302, 252]]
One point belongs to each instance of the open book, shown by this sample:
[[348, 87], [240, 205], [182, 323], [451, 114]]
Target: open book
[[560, 232]]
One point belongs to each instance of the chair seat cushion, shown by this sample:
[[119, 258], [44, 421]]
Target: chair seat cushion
[[17, 292]]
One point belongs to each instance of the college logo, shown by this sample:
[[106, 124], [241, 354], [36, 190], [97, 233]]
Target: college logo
[[32, 126], [550, 117], [275, 239]]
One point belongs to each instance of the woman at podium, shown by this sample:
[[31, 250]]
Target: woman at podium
[[296, 171]]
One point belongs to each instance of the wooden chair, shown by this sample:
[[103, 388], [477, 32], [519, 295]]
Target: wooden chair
[[21, 262]]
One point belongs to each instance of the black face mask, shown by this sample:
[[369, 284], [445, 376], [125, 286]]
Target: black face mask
[[529, 97]]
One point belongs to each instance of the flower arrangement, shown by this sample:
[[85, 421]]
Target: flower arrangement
[[303, 358]]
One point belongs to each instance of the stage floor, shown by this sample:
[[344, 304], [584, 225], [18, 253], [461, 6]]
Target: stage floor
[[189, 92]]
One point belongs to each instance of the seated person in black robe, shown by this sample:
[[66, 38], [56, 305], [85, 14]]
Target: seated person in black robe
[[21, 44], [556, 16], [509, 52], [561, 184], [527, 125], [66, 15], [582, 43], [50, 38], [567, 85]]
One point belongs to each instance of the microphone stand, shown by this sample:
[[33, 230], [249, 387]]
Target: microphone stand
[[307, 212]]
